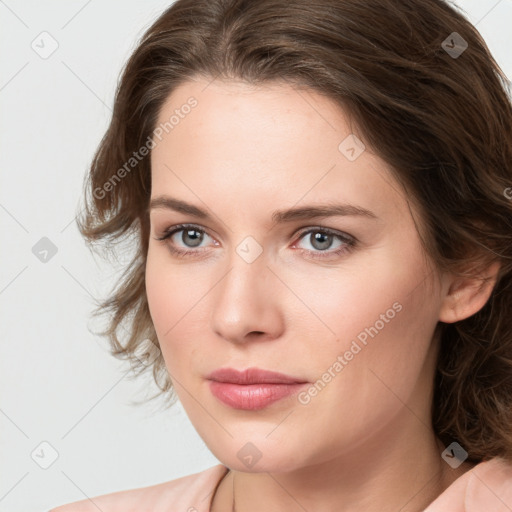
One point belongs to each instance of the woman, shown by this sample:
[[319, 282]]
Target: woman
[[320, 198]]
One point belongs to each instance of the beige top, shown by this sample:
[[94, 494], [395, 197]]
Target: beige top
[[485, 488]]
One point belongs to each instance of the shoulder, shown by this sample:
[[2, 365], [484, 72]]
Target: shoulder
[[490, 487], [485, 487], [191, 493]]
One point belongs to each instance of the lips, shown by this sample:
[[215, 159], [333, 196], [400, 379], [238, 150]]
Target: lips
[[252, 376], [252, 389]]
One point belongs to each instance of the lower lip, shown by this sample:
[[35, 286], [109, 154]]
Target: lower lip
[[252, 397]]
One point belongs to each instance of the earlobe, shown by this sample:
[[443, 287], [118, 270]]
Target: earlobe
[[468, 295]]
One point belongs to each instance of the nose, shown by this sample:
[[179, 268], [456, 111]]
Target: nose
[[246, 303]]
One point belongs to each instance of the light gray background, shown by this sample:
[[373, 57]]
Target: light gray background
[[59, 384]]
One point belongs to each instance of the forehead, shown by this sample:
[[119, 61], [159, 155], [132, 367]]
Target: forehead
[[268, 118], [271, 141]]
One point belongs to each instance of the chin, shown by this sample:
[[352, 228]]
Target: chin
[[256, 454]]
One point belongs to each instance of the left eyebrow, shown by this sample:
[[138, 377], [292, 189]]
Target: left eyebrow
[[312, 212], [278, 216]]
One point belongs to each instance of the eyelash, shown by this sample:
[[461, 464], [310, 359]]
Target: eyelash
[[349, 241]]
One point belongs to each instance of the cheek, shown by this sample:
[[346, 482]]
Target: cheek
[[384, 318], [378, 314], [363, 300], [177, 300], [160, 300], [166, 297]]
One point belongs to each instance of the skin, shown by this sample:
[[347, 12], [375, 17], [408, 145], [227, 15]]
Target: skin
[[365, 441]]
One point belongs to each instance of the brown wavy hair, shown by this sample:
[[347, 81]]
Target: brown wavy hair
[[443, 121]]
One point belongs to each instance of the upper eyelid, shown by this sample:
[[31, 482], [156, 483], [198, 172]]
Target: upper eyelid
[[176, 228], [299, 233]]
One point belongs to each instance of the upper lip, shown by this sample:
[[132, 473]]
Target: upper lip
[[252, 376]]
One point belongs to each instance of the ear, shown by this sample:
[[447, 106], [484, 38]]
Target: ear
[[467, 295]]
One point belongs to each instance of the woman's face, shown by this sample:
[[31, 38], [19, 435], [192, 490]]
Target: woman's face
[[344, 302]]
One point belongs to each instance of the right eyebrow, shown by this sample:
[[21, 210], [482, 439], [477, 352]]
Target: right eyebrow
[[176, 205]]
